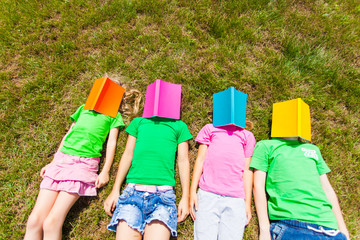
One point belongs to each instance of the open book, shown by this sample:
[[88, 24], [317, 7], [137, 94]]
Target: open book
[[229, 108], [105, 97], [163, 99], [291, 119]]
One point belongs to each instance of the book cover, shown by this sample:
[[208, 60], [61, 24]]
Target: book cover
[[162, 99], [291, 119], [229, 108], [105, 97]]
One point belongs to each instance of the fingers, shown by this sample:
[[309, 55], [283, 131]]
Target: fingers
[[108, 212], [110, 203], [178, 215], [248, 215], [100, 182], [193, 207], [42, 171], [192, 213], [103, 183], [113, 206], [97, 182], [183, 210], [181, 215], [109, 207]]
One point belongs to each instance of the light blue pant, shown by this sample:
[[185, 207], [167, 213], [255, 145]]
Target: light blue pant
[[219, 217]]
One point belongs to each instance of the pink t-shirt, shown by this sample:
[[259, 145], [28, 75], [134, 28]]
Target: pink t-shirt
[[224, 162]]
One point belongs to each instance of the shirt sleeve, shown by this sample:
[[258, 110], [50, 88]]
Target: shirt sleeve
[[184, 133], [260, 158], [321, 166], [76, 114], [250, 145], [203, 136], [117, 122], [132, 129]]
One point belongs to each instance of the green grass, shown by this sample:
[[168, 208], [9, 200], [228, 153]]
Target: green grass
[[52, 51]]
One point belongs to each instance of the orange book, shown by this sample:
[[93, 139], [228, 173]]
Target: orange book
[[105, 97]]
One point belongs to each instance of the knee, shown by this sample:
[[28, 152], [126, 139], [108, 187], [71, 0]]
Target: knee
[[51, 223], [35, 221]]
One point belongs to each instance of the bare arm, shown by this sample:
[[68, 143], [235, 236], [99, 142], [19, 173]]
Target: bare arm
[[248, 184], [103, 177], [331, 195], [124, 166], [261, 204], [184, 172], [198, 169]]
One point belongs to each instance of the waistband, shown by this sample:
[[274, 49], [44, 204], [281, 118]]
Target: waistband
[[311, 226], [150, 188], [60, 154]]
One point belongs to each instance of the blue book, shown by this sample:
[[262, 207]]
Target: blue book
[[229, 108]]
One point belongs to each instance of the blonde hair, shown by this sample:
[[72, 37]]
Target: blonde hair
[[115, 79], [249, 124], [130, 104]]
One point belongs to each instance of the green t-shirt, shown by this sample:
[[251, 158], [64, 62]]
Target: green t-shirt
[[89, 133], [157, 139], [293, 181]]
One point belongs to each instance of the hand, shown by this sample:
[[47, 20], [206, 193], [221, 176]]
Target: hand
[[102, 179], [248, 214], [183, 210], [42, 171], [193, 205], [110, 203]]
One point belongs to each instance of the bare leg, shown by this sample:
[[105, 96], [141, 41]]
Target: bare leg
[[54, 221], [124, 232], [156, 230], [43, 205]]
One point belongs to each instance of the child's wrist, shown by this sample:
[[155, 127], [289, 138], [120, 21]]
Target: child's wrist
[[105, 171], [264, 228], [185, 197], [115, 191], [193, 190], [116, 188]]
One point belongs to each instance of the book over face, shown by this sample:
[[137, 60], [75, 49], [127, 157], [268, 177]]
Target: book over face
[[162, 99], [105, 97], [229, 108], [291, 119]]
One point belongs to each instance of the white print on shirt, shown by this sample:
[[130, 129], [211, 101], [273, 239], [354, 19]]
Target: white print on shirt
[[310, 153]]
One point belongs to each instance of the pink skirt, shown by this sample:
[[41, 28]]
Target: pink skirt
[[72, 174]]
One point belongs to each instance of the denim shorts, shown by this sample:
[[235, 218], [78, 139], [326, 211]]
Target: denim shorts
[[139, 208], [293, 229]]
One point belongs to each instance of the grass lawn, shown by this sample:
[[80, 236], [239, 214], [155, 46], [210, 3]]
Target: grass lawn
[[274, 50]]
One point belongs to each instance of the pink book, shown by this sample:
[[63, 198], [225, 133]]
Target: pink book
[[163, 99]]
